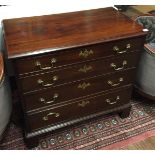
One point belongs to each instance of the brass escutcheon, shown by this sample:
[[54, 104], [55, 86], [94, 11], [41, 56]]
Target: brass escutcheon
[[83, 85], [86, 53], [85, 69], [83, 103]]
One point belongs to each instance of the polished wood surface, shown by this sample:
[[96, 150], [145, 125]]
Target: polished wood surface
[[72, 67], [79, 71], [33, 35], [73, 56], [1, 67], [77, 89], [84, 107]]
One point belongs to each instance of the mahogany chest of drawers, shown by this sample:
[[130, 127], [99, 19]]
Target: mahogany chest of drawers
[[73, 66]]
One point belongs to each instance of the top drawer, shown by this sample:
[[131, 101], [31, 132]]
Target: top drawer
[[76, 55]]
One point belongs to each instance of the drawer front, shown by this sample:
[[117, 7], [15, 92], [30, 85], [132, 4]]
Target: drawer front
[[79, 109], [80, 71], [77, 89], [76, 55]]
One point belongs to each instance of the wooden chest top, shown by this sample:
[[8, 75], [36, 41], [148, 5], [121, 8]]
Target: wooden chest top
[[34, 35]]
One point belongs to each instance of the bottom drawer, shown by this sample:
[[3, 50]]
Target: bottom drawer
[[85, 107]]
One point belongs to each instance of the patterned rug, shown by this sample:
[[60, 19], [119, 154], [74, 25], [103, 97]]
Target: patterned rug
[[106, 132]]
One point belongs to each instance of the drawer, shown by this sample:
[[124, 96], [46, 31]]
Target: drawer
[[85, 107], [58, 94], [76, 55], [80, 71]]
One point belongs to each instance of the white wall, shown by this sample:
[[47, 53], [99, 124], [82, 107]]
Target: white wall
[[24, 8]]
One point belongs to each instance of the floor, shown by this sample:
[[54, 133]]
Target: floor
[[147, 144], [134, 11], [144, 8]]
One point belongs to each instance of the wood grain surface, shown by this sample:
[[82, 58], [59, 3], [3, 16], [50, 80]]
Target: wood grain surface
[[28, 35], [71, 42], [84, 107], [147, 144], [79, 72]]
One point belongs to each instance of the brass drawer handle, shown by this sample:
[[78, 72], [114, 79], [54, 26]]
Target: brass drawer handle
[[38, 64], [117, 50], [83, 103], [109, 101], [42, 100], [119, 68], [115, 84], [55, 114], [83, 85], [55, 78], [85, 69], [86, 53]]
